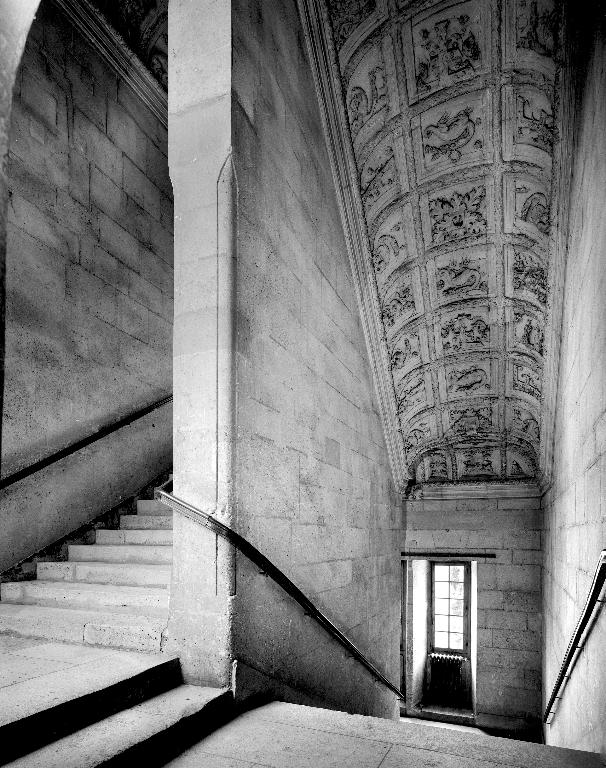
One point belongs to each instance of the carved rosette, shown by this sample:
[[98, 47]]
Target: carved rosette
[[458, 242]]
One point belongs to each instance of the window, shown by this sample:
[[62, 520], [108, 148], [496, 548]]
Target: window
[[450, 607]]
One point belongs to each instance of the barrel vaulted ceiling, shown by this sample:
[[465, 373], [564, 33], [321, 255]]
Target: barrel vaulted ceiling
[[450, 108]]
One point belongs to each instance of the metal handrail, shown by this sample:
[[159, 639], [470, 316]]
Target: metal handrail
[[267, 567], [593, 605], [83, 443]]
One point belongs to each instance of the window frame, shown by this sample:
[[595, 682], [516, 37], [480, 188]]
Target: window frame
[[466, 650]]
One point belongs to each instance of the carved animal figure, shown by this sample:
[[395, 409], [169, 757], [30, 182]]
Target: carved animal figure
[[449, 135], [471, 419], [468, 380], [377, 178], [536, 26], [529, 331], [360, 107], [478, 463], [387, 249], [403, 353], [401, 303], [447, 51], [464, 330], [411, 392], [459, 277], [535, 127], [530, 275], [525, 422]]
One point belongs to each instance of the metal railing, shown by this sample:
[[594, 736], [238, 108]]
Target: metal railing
[[267, 567], [593, 605], [31, 469]]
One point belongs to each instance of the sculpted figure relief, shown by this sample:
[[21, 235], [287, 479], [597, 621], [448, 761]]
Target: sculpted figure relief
[[406, 353], [463, 214], [446, 50], [465, 330]]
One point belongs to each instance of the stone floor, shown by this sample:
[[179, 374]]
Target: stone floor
[[287, 736], [36, 674]]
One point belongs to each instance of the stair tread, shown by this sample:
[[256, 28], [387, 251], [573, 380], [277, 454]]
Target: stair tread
[[88, 586], [110, 737], [146, 522], [119, 552], [105, 616], [95, 670], [98, 572]]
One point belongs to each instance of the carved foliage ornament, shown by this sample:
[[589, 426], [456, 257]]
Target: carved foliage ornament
[[458, 215], [346, 15]]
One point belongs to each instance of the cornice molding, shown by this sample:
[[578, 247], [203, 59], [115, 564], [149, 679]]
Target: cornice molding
[[323, 60], [112, 48], [450, 491], [568, 90]]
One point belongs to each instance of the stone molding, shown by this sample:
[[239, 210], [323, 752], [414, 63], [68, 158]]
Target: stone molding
[[452, 491], [112, 48], [323, 60]]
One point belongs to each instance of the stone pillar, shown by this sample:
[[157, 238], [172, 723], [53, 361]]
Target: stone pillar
[[203, 183]]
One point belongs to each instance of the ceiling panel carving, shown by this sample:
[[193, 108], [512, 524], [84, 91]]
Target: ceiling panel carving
[[451, 115]]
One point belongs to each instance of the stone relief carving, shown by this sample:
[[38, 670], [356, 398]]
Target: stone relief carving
[[380, 180], [464, 331], [445, 47], [412, 392], [531, 34], [477, 462], [520, 464], [393, 243], [526, 276], [400, 306], [523, 421], [459, 275], [455, 214], [468, 379], [406, 353], [367, 95], [527, 205], [526, 380], [453, 135], [471, 419], [536, 26], [529, 131], [528, 332], [346, 15], [436, 467]]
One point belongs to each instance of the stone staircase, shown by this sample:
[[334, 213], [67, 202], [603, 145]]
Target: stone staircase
[[112, 593]]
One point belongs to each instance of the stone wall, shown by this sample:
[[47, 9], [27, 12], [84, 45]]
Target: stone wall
[[508, 526], [88, 287], [575, 506], [313, 484]]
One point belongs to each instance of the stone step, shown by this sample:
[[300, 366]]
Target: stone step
[[121, 553], [83, 595], [134, 574], [128, 630], [152, 507], [32, 715], [142, 522], [149, 733], [145, 536]]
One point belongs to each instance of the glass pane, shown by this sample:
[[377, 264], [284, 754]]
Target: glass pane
[[441, 589], [441, 607], [456, 624], [456, 591], [456, 641], [441, 573], [442, 623], [441, 640], [456, 572], [456, 607]]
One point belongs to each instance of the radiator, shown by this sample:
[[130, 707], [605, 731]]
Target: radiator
[[448, 680]]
